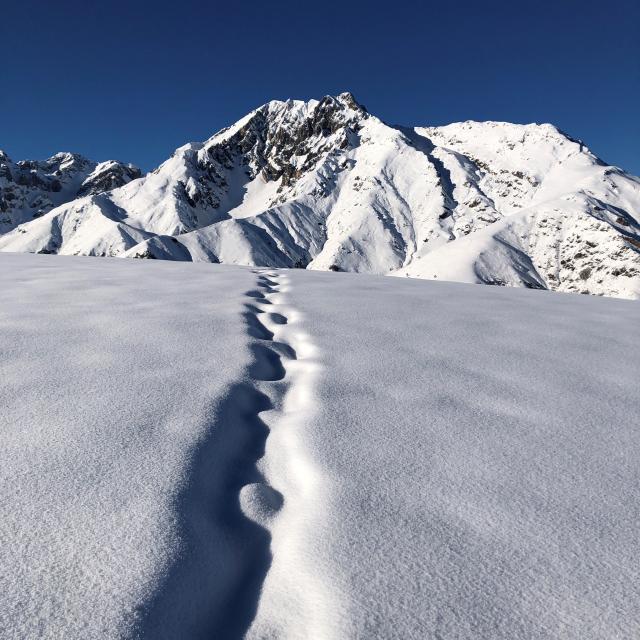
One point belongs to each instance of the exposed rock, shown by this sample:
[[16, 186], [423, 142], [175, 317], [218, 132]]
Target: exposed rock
[[31, 188]]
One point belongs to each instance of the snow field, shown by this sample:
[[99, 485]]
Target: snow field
[[480, 445], [196, 451], [110, 379]]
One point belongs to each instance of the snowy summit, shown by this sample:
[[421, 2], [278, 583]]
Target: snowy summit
[[326, 185]]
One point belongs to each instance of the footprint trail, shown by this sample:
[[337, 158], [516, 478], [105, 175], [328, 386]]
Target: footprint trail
[[253, 505], [258, 500], [288, 499]]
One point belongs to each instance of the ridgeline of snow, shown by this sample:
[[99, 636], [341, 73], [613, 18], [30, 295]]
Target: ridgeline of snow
[[205, 451], [325, 185], [31, 188]]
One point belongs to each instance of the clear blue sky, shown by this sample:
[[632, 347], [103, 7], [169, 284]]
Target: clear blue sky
[[134, 80]]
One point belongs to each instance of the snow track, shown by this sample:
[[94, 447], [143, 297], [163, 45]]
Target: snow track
[[287, 498], [249, 504], [258, 500]]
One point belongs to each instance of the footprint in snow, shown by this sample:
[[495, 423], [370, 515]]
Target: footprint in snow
[[260, 502]]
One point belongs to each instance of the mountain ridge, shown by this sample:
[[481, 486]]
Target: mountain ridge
[[31, 188], [324, 184]]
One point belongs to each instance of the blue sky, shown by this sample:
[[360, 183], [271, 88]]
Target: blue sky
[[134, 80]]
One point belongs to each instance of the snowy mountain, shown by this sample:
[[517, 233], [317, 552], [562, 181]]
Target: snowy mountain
[[326, 185], [29, 189]]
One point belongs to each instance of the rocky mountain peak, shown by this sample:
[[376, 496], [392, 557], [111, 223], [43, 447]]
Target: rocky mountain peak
[[107, 176], [279, 141], [323, 184], [348, 98]]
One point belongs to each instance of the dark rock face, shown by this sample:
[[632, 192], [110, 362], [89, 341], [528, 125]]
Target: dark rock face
[[110, 177], [269, 146], [277, 144]]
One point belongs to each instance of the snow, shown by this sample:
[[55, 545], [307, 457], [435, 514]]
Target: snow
[[29, 189], [327, 186], [107, 388], [197, 450], [258, 194], [481, 449]]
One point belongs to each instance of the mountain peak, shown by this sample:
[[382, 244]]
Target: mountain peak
[[323, 184], [29, 189], [304, 109], [346, 97]]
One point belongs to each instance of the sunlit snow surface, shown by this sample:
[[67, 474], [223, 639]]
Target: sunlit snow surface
[[201, 451], [327, 186]]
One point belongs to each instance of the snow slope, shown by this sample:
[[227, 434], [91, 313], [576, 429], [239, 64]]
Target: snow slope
[[106, 392], [326, 185], [481, 446], [197, 451], [31, 188]]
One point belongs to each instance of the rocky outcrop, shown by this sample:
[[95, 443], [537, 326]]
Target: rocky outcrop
[[31, 188]]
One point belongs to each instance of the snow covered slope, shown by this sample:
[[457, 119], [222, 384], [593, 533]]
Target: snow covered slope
[[31, 188], [206, 451], [107, 389], [569, 223], [326, 185]]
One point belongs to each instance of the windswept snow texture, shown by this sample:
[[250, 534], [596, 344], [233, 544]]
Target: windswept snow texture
[[113, 377], [206, 451], [326, 185], [481, 445]]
